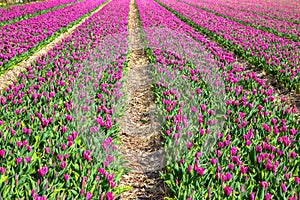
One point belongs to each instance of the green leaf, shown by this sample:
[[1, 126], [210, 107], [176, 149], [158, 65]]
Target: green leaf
[[7, 189], [37, 139], [3, 178]]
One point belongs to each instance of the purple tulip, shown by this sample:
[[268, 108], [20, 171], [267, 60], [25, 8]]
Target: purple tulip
[[88, 196], [27, 159], [18, 160], [66, 177], [297, 180], [264, 184], [109, 196], [62, 164], [2, 153], [283, 187], [42, 171], [227, 190], [213, 161], [268, 196], [252, 196], [243, 169], [233, 150]]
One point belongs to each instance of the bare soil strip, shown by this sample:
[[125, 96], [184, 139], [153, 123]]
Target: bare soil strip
[[11, 75], [141, 141]]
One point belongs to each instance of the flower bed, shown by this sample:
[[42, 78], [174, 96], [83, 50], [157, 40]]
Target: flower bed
[[280, 28], [21, 39], [277, 56], [255, 153], [43, 153], [283, 10], [14, 12]]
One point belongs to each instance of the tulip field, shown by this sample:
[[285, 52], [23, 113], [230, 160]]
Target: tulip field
[[38, 30], [17, 12], [227, 134]]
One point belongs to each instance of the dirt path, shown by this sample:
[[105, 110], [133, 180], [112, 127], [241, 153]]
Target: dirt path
[[141, 141], [11, 75]]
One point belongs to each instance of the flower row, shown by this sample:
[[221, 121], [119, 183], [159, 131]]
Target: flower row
[[23, 10], [23, 38], [282, 10], [278, 27], [276, 55], [60, 121], [226, 133]]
